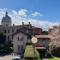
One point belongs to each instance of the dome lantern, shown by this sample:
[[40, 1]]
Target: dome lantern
[[6, 14]]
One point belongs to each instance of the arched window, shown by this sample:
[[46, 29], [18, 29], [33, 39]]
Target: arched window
[[5, 31], [18, 37], [8, 31]]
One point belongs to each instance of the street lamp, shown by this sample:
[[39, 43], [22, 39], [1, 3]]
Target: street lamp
[[34, 41]]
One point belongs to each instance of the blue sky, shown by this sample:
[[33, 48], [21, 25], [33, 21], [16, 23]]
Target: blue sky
[[43, 10]]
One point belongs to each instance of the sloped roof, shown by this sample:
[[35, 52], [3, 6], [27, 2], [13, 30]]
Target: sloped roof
[[24, 31]]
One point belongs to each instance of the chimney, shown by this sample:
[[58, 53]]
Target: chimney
[[22, 23], [29, 22], [29, 25], [13, 24]]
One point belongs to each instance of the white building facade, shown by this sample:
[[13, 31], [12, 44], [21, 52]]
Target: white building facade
[[19, 42]]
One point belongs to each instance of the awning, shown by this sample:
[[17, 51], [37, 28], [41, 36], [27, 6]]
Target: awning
[[43, 36], [40, 47]]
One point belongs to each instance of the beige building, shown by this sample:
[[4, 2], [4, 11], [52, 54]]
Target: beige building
[[8, 29], [20, 40], [19, 35]]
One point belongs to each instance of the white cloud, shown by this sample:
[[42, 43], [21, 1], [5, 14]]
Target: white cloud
[[23, 12], [17, 19], [37, 14], [45, 25], [14, 12]]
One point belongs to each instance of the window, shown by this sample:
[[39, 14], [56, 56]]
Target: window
[[21, 38], [5, 31], [8, 37], [12, 30], [12, 36], [8, 31], [17, 30], [29, 37], [18, 37]]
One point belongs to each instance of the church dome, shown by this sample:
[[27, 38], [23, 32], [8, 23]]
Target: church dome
[[6, 20]]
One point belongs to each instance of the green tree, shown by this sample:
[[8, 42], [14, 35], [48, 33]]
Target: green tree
[[31, 53], [2, 39], [4, 47]]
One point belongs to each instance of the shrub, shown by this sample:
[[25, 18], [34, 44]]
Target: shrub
[[56, 52], [6, 50]]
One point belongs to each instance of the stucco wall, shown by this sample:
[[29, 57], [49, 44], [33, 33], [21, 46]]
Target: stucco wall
[[21, 41]]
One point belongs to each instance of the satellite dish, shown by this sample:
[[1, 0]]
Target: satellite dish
[[34, 40]]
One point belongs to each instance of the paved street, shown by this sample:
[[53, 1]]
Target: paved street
[[9, 57], [45, 59]]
